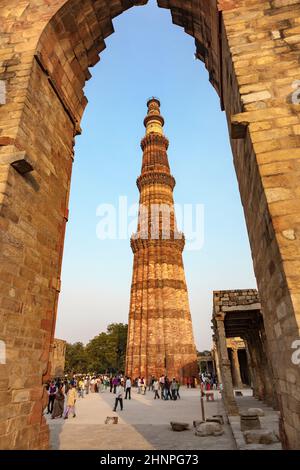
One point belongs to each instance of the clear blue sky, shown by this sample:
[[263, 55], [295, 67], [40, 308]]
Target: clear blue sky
[[148, 55]]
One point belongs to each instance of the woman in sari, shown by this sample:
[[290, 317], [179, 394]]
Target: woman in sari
[[58, 407]]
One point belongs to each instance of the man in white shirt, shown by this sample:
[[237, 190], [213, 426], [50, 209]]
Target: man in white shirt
[[128, 388], [156, 388], [139, 384], [162, 385]]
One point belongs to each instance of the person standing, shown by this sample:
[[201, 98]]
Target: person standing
[[167, 393], [128, 388], [66, 386], [173, 388], [51, 392], [119, 396], [81, 388], [139, 384], [178, 387], [162, 386], [58, 407], [71, 400], [87, 385], [151, 382], [115, 383], [143, 386], [156, 388]]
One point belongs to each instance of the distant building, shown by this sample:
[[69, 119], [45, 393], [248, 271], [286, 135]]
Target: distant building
[[206, 362]]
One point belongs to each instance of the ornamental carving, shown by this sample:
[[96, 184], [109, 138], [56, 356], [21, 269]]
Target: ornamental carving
[[155, 178]]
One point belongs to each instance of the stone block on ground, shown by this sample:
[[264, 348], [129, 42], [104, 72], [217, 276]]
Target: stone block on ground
[[221, 417], [257, 411], [215, 419], [112, 420], [260, 436], [178, 427], [209, 429], [249, 420], [197, 423]]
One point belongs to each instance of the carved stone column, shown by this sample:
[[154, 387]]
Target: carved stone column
[[258, 379], [236, 372], [225, 367], [216, 360], [271, 396]]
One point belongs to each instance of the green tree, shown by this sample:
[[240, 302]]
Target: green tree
[[104, 353], [76, 358], [107, 351]]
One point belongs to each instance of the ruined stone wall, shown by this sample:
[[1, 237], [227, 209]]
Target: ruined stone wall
[[234, 298]]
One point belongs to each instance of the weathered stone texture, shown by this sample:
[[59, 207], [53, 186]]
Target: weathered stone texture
[[251, 50], [57, 357], [160, 335]]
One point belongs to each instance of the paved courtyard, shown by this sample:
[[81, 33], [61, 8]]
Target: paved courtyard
[[143, 424]]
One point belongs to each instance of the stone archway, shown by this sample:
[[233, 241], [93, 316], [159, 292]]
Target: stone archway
[[251, 50]]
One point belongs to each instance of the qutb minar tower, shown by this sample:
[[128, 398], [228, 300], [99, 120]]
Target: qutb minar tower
[[160, 334]]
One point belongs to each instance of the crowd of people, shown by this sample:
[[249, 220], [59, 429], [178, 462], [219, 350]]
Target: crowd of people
[[63, 393], [209, 381]]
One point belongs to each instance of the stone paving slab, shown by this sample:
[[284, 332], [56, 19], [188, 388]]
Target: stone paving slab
[[143, 424]]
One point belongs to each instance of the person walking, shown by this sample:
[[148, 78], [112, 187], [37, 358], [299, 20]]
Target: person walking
[[128, 388], [119, 396], [58, 407], [71, 400], [156, 388]]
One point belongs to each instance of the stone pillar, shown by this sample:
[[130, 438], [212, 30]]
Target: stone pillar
[[258, 379], [236, 372], [216, 359], [271, 397], [250, 364], [225, 367]]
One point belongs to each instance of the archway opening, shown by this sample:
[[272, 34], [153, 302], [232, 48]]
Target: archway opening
[[44, 82], [108, 160]]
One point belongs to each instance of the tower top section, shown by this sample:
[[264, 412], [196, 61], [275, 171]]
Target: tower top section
[[154, 121]]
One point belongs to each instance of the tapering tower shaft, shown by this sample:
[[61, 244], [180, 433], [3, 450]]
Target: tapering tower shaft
[[160, 335]]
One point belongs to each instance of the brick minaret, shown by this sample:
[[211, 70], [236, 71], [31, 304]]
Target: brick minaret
[[160, 335]]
